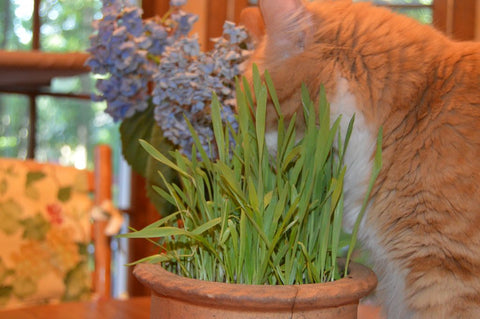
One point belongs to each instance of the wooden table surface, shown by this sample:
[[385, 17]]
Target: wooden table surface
[[134, 308]]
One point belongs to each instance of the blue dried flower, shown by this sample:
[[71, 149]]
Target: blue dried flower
[[158, 36], [184, 22], [177, 3], [132, 20], [185, 80], [132, 54], [235, 34], [116, 51]]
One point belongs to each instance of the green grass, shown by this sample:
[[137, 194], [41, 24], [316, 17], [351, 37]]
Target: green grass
[[252, 217]]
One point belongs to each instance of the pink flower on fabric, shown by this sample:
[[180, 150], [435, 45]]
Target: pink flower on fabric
[[55, 213]]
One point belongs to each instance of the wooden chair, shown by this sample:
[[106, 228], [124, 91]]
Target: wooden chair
[[46, 230]]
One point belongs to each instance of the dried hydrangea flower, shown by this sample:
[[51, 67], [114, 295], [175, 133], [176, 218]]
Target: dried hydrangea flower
[[132, 53]]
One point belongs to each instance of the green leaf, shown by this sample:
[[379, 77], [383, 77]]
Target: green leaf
[[159, 156], [64, 194], [252, 217], [3, 186], [6, 293], [36, 227], [34, 176], [76, 283], [24, 287], [272, 92], [211, 223], [142, 126], [10, 212], [217, 127], [150, 232], [132, 129], [164, 221], [154, 181], [153, 259]]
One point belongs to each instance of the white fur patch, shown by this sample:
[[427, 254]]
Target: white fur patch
[[391, 280], [359, 162], [358, 157], [271, 141]]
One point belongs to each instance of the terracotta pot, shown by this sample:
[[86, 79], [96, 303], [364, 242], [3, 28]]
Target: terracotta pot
[[178, 297]]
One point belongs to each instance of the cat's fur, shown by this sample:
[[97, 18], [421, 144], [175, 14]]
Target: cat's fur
[[423, 222]]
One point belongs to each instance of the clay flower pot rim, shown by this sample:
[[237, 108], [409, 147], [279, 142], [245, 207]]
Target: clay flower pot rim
[[360, 281]]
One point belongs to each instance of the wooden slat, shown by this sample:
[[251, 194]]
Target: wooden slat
[[216, 16], [239, 6], [103, 192], [142, 213], [36, 25], [103, 173], [440, 15], [456, 18], [464, 20], [33, 69], [152, 8], [477, 20], [32, 126]]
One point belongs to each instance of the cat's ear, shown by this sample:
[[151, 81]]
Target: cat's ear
[[276, 12], [252, 19], [286, 23]]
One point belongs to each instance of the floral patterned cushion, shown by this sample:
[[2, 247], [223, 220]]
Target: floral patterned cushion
[[44, 233]]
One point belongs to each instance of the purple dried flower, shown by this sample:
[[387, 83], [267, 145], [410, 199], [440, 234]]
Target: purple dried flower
[[131, 53], [132, 20], [185, 22], [177, 3]]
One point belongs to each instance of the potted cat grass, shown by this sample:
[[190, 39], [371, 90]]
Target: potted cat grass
[[256, 235]]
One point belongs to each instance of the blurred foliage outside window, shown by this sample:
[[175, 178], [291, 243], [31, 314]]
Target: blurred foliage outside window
[[421, 10], [67, 128]]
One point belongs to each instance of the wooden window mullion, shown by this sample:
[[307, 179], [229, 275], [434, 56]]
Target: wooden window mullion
[[152, 8]]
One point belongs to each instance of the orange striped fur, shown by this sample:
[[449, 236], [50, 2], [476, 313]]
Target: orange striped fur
[[423, 223]]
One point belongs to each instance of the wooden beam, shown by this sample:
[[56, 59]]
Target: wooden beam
[[141, 214], [440, 15], [32, 126], [239, 6], [153, 8], [32, 129], [477, 20], [216, 16], [103, 192], [456, 18], [464, 20], [36, 25]]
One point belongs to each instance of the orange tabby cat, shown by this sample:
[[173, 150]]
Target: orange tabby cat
[[423, 222]]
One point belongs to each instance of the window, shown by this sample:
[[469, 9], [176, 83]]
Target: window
[[68, 124], [421, 10], [66, 128], [418, 9], [456, 18]]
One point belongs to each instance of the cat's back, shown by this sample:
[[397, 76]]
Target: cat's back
[[427, 213], [460, 61], [432, 184], [423, 89]]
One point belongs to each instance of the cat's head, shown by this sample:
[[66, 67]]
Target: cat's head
[[292, 46], [377, 57]]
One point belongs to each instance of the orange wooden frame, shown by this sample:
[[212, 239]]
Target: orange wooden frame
[[100, 183]]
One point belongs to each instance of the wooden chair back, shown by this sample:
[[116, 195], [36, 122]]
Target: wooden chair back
[[102, 189]]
